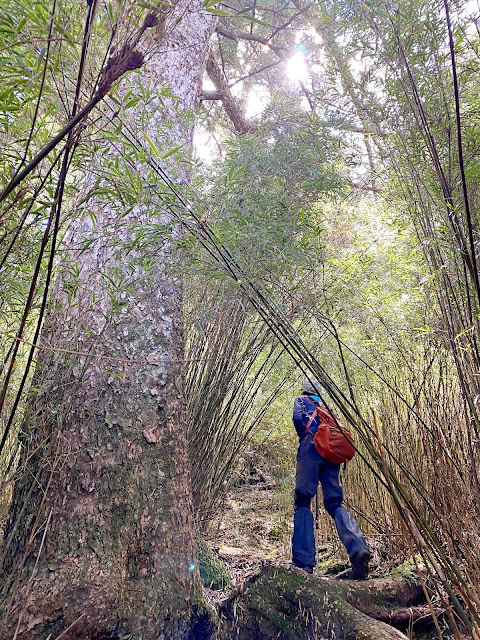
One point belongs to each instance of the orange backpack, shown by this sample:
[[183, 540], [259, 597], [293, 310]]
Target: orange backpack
[[332, 440]]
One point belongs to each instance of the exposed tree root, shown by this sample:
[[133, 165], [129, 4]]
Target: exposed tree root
[[408, 615], [286, 604]]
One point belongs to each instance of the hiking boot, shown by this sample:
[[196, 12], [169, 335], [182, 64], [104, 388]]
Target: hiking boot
[[304, 567], [359, 568]]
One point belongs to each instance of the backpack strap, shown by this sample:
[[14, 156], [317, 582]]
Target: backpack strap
[[312, 418]]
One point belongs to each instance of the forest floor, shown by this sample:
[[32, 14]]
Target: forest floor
[[255, 530]]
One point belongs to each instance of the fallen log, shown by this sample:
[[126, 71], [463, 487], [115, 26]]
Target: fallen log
[[288, 604]]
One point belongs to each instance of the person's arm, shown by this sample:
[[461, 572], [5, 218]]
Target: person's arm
[[299, 416]]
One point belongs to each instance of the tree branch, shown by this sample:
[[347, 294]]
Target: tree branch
[[242, 35], [231, 105], [256, 71], [211, 94], [289, 21]]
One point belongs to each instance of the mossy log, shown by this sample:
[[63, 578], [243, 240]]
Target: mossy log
[[290, 605]]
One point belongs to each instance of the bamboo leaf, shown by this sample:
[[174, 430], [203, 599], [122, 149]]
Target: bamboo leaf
[[152, 145], [216, 12], [172, 151]]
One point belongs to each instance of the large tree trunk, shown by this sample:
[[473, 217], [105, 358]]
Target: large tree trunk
[[100, 539]]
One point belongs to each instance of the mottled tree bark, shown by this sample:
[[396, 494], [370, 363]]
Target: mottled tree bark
[[100, 539]]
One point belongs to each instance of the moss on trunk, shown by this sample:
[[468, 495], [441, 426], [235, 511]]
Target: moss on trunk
[[286, 604], [213, 571]]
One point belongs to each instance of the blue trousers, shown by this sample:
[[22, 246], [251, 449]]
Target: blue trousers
[[312, 469]]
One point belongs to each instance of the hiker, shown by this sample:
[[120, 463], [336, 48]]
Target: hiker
[[312, 468]]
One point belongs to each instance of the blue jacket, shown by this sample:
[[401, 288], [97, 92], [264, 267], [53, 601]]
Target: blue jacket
[[303, 408]]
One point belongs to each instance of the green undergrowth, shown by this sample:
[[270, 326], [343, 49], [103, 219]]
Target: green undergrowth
[[332, 565], [408, 570]]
